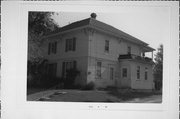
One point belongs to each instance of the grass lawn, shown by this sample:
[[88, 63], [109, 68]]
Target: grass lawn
[[102, 96]]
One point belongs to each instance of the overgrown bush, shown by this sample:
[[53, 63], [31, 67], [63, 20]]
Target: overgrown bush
[[36, 72], [50, 82], [89, 86], [38, 75], [71, 75]]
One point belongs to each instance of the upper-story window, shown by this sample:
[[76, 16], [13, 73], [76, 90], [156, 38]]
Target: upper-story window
[[138, 72], [129, 50], [70, 44], [52, 48], [106, 46]]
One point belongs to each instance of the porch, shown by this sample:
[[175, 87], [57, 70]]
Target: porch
[[135, 57]]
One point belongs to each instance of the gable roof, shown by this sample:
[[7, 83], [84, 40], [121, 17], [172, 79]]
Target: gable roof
[[93, 23]]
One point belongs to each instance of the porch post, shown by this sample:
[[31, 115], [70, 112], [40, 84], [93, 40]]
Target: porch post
[[152, 55]]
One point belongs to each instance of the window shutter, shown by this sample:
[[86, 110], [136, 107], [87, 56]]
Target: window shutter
[[66, 47], [49, 48], [63, 69], [55, 47], [52, 47], [55, 68], [74, 44]]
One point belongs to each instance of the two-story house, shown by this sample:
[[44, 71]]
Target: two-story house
[[103, 55]]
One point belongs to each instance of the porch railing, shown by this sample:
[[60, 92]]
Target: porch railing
[[136, 57]]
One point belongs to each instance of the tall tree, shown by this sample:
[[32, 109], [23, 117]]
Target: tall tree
[[39, 24], [158, 68]]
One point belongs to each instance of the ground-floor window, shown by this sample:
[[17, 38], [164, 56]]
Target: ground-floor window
[[138, 72], [111, 73], [67, 65], [52, 68], [146, 73], [124, 72], [98, 69]]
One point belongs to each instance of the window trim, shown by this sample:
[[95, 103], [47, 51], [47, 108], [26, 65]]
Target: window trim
[[70, 44], [124, 69], [52, 47]]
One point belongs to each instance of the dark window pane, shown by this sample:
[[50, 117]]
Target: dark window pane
[[106, 45], [55, 47], [74, 64], [49, 48], [63, 69], [66, 48], [138, 72], [124, 72], [129, 50], [111, 73], [74, 44], [146, 73]]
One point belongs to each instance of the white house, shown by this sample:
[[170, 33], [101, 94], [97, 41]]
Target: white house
[[103, 55]]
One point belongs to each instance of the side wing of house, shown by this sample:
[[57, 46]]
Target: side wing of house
[[104, 67]]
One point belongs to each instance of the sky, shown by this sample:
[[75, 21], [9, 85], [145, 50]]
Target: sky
[[149, 24]]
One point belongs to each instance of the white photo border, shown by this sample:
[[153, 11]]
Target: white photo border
[[19, 83]]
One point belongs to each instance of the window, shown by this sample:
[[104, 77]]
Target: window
[[52, 68], [124, 72], [146, 73], [98, 70], [70, 44], [68, 65], [138, 72], [106, 46], [111, 73], [129, 50], [52, 48]]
